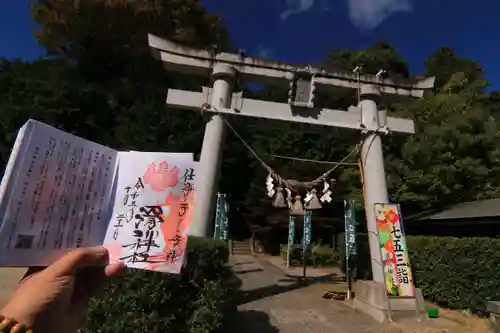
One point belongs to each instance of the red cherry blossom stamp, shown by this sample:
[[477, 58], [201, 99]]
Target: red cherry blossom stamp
[[160, 177]]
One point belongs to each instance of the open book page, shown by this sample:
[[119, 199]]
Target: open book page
[[12, 167], [152, 210], [57, 198], [189, 156]]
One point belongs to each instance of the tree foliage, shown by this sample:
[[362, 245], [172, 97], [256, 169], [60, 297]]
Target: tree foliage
[[443, 64], [453, 157], [143, 301], [380, 56], [101, 82], [108, 38]]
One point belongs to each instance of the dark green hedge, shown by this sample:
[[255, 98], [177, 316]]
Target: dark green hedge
[[193, 302], [361, 266], [459, 273], [318, 256]]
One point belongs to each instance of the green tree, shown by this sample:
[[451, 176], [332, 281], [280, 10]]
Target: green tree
[[380, 56], [105, 43], [452, 157], [108, 38], [47, 91], [444, 63], [493, 103]]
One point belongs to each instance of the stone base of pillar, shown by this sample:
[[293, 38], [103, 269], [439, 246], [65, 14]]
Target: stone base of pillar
[[370, 298]]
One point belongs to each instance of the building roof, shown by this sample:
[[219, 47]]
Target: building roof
[[472, 209]]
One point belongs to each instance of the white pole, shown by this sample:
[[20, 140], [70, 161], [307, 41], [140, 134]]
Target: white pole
[[372, 160], [211, 153]]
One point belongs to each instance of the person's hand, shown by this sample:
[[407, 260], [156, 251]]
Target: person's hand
[[55, 299]]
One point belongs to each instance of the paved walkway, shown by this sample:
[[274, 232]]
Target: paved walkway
[[272, 301], [319, 273]]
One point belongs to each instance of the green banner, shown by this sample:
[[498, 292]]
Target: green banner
[[291, 230], [307, 228], [350, 228], [221, 229]]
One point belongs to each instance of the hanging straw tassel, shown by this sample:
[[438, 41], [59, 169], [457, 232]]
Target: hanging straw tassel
[[314, 203], [297, 208], [279, 200]]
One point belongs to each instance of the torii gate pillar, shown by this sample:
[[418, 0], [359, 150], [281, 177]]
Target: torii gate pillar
[[211, 152], [375, 186]]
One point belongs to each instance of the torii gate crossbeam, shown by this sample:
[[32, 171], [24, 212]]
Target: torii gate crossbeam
[[351, 119]]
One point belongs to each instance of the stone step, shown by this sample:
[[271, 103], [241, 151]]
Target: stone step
[[241, 247]]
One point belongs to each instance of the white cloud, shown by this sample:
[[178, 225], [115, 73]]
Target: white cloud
[[364, 14], [368, 14], [297, 7]]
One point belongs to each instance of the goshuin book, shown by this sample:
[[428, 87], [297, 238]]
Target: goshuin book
[[60, 192]]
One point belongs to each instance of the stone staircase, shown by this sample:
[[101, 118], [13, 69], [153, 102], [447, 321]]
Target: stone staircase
[[241, 248]]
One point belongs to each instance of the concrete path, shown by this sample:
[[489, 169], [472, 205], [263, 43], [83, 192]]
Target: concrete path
[[272, 301], [296, 271]]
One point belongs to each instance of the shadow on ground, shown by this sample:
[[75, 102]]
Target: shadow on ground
[[250, 321], [243, 263], [249, 271], [276, 289], [245, 321], [331, 277]]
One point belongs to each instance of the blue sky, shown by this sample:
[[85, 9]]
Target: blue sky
[[304, 30]]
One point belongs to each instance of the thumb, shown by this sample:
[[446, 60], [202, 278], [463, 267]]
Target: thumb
[[79, 258]]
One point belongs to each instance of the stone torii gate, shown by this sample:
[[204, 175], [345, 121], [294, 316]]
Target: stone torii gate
[[224, 68]]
